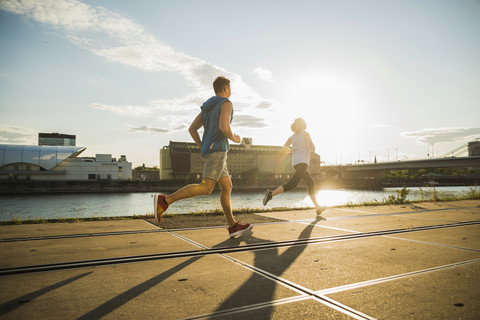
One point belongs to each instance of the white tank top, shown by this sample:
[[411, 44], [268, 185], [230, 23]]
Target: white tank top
[[301, 151]]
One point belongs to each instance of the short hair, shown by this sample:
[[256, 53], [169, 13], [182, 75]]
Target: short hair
[[220, 83], [298, 125]]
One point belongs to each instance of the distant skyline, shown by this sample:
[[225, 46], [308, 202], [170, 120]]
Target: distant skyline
[[387, 79]]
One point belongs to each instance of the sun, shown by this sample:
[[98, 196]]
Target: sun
[[331, 105], [325, 96]]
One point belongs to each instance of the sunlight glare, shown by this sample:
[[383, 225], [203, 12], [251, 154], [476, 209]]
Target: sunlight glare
[[325, 97], [332, 107], [328, 198]]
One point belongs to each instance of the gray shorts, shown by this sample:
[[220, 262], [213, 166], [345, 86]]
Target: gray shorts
[[215, 165]]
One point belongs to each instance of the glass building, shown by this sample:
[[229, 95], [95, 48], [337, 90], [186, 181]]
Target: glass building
[[56, 139], [22, 162]]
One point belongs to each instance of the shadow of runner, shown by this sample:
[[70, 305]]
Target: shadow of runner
[[130, 294], [16, 303], [264, 288]]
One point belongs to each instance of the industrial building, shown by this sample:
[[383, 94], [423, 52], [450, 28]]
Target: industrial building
[[247, 163]]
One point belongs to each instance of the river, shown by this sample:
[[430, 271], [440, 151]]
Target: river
[[54, 206]]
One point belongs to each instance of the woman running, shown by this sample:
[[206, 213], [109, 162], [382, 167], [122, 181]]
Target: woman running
[[302, 145]]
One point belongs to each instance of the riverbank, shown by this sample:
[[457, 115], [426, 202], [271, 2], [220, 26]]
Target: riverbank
[[8, 187], [43, 208], [200, 219]]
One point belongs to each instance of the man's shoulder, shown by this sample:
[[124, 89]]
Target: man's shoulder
[[227, 104], [224, 100]]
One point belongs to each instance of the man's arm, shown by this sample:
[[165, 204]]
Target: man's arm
[[194, 127], [224, 124]]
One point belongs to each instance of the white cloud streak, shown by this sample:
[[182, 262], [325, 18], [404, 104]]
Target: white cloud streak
[[147, 129], [248, 121], [17, 135], [120, 40], [123, 110], [264, 105], [439, 135]]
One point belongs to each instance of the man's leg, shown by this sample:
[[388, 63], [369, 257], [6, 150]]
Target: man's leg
[[225, 191], [192, 190]]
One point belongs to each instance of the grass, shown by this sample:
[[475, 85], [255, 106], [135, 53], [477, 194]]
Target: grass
[[400, 197], [71, 220]]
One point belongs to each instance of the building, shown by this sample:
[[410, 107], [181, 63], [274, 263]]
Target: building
[[60, 163], [474, 148], [148, 174], [247, 163], [56, 139]]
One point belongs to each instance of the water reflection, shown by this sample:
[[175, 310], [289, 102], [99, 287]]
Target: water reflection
[[127, 204]]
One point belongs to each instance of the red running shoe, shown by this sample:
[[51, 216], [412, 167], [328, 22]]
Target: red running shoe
[[159, 207], [238, 229]]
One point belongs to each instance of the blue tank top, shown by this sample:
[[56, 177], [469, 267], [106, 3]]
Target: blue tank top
[[213, 139]]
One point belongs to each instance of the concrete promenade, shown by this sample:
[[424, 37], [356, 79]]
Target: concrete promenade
[[418, 261]]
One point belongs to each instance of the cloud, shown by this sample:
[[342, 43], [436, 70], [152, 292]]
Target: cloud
[[263, 73], [248, 121], [439, 135], [176, 114], [264, 105], [179, 105], [148, 129], [165, 129], [120, 40], [122, 110], [17, 135]]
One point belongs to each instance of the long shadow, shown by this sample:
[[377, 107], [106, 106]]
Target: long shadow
[[130, 294], [18, 302], [257, 288]]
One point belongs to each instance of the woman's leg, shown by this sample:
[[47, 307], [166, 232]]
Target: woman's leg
[[291, 184], [300, 170], [278, 191], [311, 188]]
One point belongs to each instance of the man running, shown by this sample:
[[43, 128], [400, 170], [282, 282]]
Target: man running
[[215, 117]]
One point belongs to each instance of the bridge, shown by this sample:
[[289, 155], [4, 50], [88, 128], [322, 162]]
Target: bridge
[[372, 175], [414, 164]]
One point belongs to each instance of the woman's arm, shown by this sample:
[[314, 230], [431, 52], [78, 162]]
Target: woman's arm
[[287, 144]]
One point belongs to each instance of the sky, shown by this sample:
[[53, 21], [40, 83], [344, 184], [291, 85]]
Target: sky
[[374, 79]]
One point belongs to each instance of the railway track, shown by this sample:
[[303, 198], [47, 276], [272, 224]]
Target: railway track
[[207, 251]]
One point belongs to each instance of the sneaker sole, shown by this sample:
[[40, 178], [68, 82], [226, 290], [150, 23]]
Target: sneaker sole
[[239, 232]]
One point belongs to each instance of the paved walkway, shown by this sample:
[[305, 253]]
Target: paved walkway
[[417, 261]]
